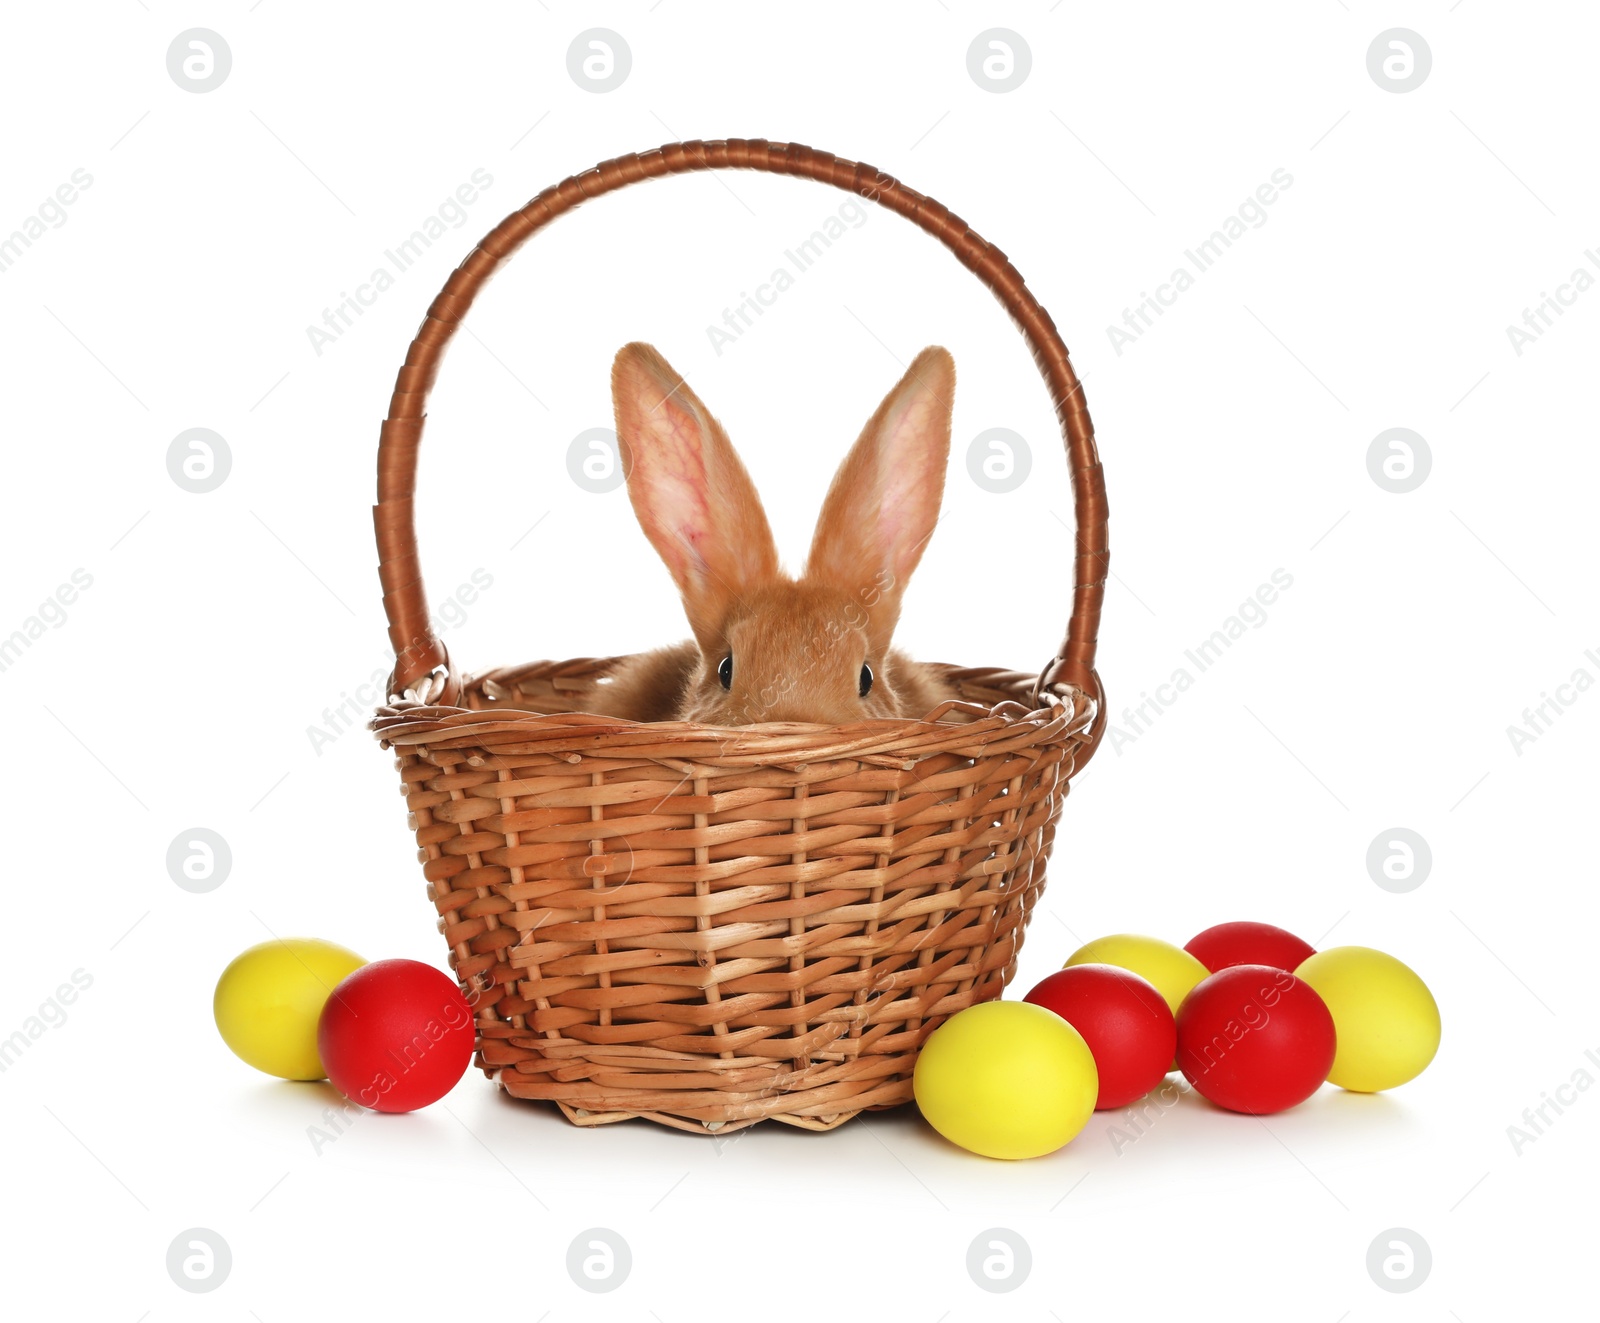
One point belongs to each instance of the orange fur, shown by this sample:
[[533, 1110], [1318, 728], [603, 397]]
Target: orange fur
[[798, 645]]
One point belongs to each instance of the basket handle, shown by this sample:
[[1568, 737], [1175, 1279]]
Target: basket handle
[[418, 651]]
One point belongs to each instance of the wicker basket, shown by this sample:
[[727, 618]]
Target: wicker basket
[[705, 926]]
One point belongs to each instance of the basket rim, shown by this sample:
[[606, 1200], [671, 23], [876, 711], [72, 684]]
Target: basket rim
[[1061, 717]]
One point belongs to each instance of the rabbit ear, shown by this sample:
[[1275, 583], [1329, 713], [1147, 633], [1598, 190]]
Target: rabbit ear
[[884, 501], [693, 497]]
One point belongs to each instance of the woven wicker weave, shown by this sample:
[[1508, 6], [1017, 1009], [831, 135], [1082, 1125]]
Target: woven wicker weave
[[707, 926]]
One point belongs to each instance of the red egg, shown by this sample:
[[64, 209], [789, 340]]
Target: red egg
[[395, 1035], [1245, 943], [1255, 1039], [1124, 1020]]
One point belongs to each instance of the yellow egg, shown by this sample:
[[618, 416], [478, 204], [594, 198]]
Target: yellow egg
[[1172, 970], [1385, 1019], [1006, 1079], [268, 1000]]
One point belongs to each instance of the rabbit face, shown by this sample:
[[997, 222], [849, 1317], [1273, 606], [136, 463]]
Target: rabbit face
[[772, 647], [792, 652]]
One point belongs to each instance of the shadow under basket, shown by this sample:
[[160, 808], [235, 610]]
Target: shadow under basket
[[714, 926]]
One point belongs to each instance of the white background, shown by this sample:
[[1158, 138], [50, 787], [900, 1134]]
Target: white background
[[179, 690]]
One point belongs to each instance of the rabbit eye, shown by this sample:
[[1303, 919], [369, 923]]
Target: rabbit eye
[[725, 671], [866, 679]]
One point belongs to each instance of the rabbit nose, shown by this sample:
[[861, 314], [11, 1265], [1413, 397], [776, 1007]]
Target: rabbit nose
[[767, 703]]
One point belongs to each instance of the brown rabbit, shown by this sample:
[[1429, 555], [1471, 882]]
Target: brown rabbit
[[768, 647]]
